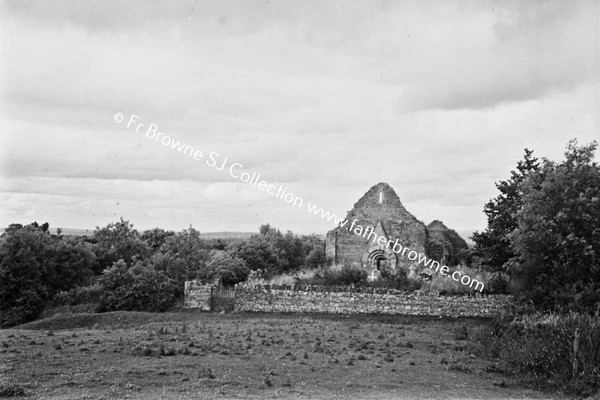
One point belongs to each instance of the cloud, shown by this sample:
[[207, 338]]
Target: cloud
[[496, 55], [436, 98]]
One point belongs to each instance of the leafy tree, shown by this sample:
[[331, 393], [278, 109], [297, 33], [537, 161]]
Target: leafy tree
[[275, 253], [71, 263], [226, 268], [434, 249], [12, 228], [291, 249], [155, 238], [261, 252], [44, 227], [294, 251], [493, 245], [118, 241], [218, 243], [34, 267], [183, 256], [269, 231], [136, 288], [557, 241], [316, 256]]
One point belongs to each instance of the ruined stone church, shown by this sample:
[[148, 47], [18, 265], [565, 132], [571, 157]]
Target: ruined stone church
[[379, 209]]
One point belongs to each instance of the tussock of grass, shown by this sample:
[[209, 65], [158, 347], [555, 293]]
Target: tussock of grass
[[11, 390]]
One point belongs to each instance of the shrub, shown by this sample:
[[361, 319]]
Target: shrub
[[336, 275], [182, 257], [139, 288], [444, 284], [79, 295], [26, 307], [34, 266], [339, 275], [542, 346], [498, 284], [316, 257], [399, 280], [117, 241], [226, 268], [261, 252]]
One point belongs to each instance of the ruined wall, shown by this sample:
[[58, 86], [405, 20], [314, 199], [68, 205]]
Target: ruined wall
[[196, 295], [344, 300], [369, 302], [445, 245]]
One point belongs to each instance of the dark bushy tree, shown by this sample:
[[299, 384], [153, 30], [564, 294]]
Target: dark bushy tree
[[261, 253], [226, 269], [34, 267], [136, 288], [434, 249], [316, 256], [492, 246], [118, 241], [275, 253], [151, 280], [183, 256], [155, 238], [557, 241]]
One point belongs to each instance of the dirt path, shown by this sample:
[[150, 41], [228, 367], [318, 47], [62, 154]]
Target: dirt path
[[249, 356]]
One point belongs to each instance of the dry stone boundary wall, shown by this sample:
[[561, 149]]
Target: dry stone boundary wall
[[196, 295], [352, 301]]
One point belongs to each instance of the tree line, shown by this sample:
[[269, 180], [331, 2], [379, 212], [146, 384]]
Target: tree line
[[120, 268], [543, 232]]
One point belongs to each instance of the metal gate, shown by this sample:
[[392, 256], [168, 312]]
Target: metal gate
[[222, 299]]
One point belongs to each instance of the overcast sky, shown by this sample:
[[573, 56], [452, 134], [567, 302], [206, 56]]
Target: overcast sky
[[327, 98]]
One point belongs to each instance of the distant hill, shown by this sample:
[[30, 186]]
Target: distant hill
[[206, 235], [73, 232], [226, 235]]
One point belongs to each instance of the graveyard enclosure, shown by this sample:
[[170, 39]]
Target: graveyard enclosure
[[338, 300]]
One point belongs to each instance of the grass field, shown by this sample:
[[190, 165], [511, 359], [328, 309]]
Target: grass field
[[191, 355]]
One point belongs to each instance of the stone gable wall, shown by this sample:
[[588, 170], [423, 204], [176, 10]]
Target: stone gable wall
[[397, 222]]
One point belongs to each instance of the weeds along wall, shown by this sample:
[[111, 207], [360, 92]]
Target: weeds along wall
[[344, 300]]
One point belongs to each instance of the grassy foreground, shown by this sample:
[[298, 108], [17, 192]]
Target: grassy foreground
[[191, 355]]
